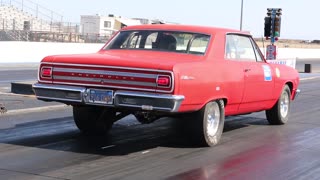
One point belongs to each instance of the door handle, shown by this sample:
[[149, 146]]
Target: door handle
[[247, 70]]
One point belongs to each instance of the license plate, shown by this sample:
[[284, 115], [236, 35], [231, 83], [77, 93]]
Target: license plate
[[101, 96]]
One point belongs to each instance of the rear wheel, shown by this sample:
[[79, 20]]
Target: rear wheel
[[208, 123], [93, 120], [279, 113]]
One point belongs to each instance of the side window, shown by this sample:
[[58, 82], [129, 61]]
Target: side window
[[230, 50], [256, 50], [199, 45], [239, 48], [182, 41]]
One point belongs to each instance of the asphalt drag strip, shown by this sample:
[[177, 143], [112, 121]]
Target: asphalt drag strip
[[52, 147]]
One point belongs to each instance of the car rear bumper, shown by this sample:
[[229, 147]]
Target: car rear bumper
[[125, 99]]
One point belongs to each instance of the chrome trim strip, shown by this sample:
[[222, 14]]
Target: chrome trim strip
[[116, 67], [104, 86], [296, 94], [101, 81], [101, 72], [150, 95], [81, 90], [50, 82], [58, 87], [102, 66], [140, 107], [58, 99], [177, 99]]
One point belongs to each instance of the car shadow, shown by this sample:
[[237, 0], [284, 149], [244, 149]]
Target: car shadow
[[61, 134]]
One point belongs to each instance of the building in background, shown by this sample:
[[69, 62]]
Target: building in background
[[30, 21], [93, 26]]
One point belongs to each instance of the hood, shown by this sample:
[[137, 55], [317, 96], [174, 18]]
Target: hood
[[127, 58]]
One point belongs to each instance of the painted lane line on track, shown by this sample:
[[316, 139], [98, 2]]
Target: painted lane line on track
[[308, 78], [36, 109], [20, 95], [18, 80]]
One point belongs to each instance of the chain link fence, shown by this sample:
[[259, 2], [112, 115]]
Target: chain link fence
[[11, 30]]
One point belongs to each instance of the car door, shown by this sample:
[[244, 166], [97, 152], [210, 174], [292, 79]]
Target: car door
[[258, 80]]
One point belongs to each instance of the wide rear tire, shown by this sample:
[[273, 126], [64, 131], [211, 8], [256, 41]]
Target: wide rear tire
[[208, 123], [93, 120], [279, 113]]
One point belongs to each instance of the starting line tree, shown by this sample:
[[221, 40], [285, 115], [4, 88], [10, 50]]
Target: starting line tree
[[272, 26]]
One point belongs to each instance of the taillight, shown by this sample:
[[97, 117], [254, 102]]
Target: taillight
[[163, 81], [46, 72]]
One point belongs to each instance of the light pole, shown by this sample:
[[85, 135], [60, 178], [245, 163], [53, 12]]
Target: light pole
[[241, 15]]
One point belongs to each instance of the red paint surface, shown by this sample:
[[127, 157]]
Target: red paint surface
[[199, 78]]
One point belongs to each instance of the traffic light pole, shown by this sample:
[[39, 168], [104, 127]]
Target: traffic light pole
[[272, 30], [273, 17]]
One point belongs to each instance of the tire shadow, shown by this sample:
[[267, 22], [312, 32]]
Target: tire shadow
[[61, 134]]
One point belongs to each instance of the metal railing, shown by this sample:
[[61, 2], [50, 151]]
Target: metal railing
[[24, 20], [34, 9]]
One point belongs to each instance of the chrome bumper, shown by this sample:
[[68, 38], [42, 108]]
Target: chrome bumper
[[127, 99], [296, 94]]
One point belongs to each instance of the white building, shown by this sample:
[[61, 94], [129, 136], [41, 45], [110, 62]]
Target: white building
[[96, 25]]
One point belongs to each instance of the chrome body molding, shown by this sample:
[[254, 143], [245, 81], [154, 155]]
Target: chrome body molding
[[102, 81], [113, 73], [41, 92], [122, 99], [176, 100], [103, 78], [102, 66], [296, 94]]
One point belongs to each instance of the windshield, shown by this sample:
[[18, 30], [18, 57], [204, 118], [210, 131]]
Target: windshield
[[171, 41]]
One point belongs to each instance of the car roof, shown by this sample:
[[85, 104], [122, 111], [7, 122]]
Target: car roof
[[186, 28]]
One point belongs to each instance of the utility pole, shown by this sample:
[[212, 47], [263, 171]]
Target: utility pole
[[241, 15]]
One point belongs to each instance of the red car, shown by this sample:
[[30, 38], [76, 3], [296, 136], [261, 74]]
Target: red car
[[199, 73]]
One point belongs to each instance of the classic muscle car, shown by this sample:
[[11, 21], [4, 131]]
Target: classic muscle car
[[197, 73]]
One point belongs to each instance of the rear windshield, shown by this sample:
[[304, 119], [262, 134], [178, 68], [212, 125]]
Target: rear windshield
[[172, 41]]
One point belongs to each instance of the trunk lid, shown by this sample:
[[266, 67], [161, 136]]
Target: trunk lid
[[117, 69], [128, 58]]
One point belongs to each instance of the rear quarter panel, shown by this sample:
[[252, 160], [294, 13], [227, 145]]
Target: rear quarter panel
[[204, 81], [284, 75]]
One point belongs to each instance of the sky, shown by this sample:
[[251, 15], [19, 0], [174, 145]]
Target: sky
[[299, 17]]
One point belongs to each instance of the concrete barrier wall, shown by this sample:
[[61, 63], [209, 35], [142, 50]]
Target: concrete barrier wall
[[33, 52], [299, 53]]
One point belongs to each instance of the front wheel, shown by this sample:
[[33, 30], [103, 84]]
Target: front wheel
[[208, 123], [279, 113]]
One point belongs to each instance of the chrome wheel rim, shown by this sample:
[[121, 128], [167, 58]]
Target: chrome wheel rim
[[213, 119], [284, 104]]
